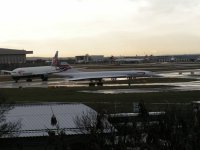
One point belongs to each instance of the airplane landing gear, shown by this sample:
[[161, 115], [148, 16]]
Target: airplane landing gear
[[99, 83], [29, 80], [16, 79], [91, 84], [113, 79], [130, 79], [44, 78]]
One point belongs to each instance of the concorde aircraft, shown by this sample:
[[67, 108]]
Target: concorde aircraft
[[96, 77], [40, 71]]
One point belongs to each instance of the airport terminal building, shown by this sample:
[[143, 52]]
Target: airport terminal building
[[89, 58], [13, 56]]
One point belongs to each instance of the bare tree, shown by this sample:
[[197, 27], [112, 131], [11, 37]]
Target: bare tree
[[7, 129], [86, 123], [97, 127]]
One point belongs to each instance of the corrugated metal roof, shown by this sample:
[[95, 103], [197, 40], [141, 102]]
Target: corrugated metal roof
[[5, 51], [36, 119]]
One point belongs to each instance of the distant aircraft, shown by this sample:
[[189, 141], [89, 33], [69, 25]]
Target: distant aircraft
[[97, 76], [41, 71], [126, 60], [198, 59]]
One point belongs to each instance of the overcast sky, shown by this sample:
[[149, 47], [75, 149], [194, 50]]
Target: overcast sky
[[106, 27]]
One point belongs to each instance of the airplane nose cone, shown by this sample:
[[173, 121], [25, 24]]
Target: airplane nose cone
[[156, 75], [152, 74]]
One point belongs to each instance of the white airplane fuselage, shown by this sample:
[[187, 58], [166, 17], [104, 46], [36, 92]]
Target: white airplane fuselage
[[75, 76], [33, 71]]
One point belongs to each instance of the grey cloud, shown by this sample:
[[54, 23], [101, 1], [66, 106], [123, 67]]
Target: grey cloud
[[169, 16], [171, 6]]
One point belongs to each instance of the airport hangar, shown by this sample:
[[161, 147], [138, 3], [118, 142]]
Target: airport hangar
[[13, 56]]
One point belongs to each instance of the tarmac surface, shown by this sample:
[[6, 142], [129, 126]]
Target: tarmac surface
[[60, 82]]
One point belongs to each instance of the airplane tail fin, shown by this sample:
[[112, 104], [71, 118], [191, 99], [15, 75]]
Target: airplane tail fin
[[64, 66], [61, 66], [55, 60]]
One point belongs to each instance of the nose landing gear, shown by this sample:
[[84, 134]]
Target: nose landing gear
[[29, 80], [44, 78], [91, 84], [16, 79], [99, 83]]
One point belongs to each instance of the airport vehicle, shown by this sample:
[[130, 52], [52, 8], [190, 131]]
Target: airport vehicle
[[40, 71], [96, 77]]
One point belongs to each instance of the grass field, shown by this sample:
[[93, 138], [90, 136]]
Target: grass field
[[110, 102]]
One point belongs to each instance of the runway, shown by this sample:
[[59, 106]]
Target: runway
[[60, 82], [183, 86], [37, 83]]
